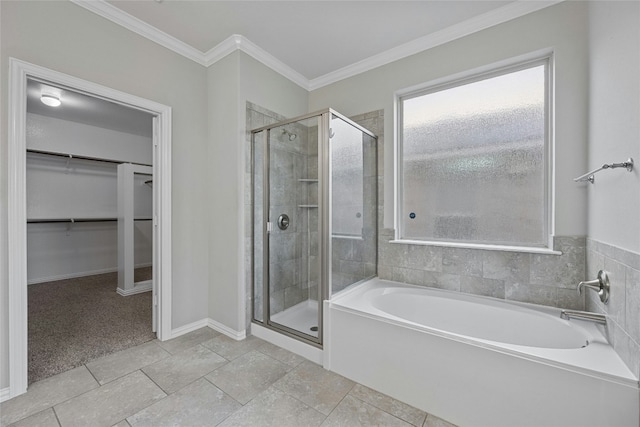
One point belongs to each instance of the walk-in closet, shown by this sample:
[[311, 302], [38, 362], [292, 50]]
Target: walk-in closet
[[90, 211]]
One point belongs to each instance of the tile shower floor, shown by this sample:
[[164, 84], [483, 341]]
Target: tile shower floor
[[206, 379], [301, 317]]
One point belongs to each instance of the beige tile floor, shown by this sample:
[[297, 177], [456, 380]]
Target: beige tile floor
[[206, 379]]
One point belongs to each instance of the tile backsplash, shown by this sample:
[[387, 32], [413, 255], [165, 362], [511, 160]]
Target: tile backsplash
[[623, 308], [545, 279]]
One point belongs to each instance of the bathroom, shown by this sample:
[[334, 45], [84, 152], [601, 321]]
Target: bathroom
[[577, 250], [595, 226]]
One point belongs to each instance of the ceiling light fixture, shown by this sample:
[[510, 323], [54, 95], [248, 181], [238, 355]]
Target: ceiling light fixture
[[50, 100]]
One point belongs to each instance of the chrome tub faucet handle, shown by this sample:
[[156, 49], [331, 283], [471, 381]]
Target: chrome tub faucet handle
[[600, 285]]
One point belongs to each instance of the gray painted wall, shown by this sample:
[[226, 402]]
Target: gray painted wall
[[232, 82], [614, 122]]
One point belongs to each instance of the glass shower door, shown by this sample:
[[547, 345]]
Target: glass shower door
[[292, 230]]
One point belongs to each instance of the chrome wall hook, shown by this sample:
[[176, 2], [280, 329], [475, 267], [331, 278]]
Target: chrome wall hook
[[600, 285]]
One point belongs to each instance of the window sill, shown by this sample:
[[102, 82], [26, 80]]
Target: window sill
[[484, 247]]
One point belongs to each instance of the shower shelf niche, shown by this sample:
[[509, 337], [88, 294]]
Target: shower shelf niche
[[308, 181]]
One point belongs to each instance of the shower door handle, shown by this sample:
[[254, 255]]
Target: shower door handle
[[283, 222]]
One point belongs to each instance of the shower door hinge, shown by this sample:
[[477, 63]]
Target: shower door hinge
[[155, 300], [269, 227], [155, 220]]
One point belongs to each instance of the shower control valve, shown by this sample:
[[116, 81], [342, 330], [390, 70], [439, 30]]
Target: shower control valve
[[283, 222]]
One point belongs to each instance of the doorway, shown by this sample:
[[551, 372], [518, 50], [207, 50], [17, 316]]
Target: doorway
[[21, 73], [89, 228]]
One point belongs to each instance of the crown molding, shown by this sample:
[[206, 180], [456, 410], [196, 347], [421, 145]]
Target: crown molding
[[230, 45], [216, 53], [274, 63], [130, 22], [462, 29], [238, 42]]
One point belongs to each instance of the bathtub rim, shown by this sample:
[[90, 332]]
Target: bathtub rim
[[597, 349]]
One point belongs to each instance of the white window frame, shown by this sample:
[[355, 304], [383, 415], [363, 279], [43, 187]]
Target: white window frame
[[470, 76]]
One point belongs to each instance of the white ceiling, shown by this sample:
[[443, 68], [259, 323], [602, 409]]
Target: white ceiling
[[88, 110], [312, 37]]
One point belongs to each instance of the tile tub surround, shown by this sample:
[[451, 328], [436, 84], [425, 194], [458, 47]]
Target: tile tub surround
[[250, 382], [623, 308], [532, 278]]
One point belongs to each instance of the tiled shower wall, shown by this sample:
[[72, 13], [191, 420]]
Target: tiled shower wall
[[288, 249], [623, 308]]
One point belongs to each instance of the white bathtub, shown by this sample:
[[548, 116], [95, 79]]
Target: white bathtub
[[478, 361]]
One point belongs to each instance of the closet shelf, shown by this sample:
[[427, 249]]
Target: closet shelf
[[73, 156], [74, 220]]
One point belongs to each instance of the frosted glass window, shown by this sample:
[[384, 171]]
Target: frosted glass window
[[472, 160]]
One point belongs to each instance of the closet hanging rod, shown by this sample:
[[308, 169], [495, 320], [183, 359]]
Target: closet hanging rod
[[589, 175], [73, 156], [74, 220], [71, 220]]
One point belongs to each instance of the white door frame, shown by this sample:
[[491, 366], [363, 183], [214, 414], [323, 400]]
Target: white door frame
[[19, 72]]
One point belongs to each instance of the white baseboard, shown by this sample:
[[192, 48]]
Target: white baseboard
[[217, 326], [210, 323], [138, 288], [175, 333], [5, 394], [78, 274], [293, 345], [70, 276]]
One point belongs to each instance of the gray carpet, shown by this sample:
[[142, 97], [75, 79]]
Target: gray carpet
[[74, 321]]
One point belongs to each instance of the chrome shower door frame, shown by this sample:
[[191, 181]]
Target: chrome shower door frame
[[268, 224], [324, 220]]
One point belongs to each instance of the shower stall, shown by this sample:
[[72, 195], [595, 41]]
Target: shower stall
[[314, 181]]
